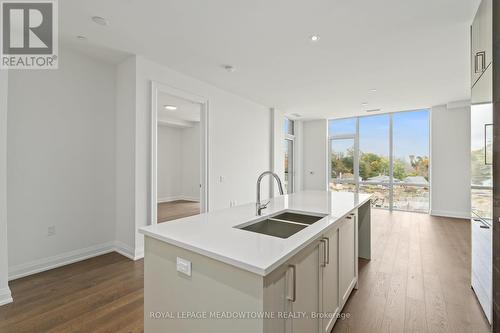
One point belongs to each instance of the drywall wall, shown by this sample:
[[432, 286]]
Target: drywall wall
[[450, 161], [5, 295], [61, 163], [178, 166], [169, 163], [190, 158], [125, 157], [315, 153], [238, 142]]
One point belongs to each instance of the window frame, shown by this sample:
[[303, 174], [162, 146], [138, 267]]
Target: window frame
[[291, 171], [391, 184]]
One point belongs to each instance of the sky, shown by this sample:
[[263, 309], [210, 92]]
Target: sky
[[410, 133]]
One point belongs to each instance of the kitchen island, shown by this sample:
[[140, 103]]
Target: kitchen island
[[291, 269]]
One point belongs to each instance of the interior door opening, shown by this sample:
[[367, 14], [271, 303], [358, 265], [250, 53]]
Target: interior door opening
[[178, 156]]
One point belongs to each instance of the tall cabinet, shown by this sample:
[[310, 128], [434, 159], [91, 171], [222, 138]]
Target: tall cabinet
[[482, 155]]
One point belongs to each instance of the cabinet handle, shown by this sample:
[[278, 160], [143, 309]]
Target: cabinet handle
[[481, 55], [327, 250], [294, 285], [323, 264]]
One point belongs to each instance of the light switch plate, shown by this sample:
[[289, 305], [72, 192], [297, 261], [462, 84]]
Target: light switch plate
[[184, 266]]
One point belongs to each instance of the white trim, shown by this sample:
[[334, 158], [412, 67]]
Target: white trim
[[67, 258], [124, 250], [445, 213], [178, 197], [169, 199], [40, 265], [5, 296], [157, 87]]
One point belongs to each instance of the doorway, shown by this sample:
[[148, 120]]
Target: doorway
[[179, 154]]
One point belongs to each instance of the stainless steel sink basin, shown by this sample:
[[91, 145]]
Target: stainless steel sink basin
[[299, 218], [275, 228], [282, 225]]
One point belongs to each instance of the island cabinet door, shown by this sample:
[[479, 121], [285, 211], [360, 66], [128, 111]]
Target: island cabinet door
[[329, 280], [348, 258], [303, 292]]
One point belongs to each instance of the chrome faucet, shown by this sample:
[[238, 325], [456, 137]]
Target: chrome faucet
[[259, 206]]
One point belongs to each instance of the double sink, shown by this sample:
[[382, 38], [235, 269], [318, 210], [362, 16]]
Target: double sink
[[283, 224]]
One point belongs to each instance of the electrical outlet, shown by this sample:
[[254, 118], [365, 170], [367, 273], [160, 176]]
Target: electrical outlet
[[51, 231], [184, 266]]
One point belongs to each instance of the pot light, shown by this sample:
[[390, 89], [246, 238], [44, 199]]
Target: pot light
[[364, 104], [314, 38], [229, 68], [80, 37], [374, 110], [373, 90], [100, 20], [170, 107]]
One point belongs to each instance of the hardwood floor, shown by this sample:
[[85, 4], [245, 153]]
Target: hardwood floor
[[168, 211], [417, 281], [102, 294]]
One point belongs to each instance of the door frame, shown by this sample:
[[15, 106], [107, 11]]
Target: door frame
[[156, 88]]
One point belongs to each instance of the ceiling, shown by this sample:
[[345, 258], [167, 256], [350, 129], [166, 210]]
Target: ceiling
[[414, 53], [186, 115]]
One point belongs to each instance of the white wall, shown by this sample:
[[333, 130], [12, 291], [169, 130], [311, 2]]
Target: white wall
[[178, 166], [169, 163], [315, 155], [61, 162], [5, 295], [191, 167], [239, 137], [450, 161], [125, 157]]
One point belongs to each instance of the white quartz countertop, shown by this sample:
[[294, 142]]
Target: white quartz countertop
[[214, 234]]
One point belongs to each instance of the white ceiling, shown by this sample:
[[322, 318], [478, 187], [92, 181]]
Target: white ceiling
[[187, 112], [415, 53]]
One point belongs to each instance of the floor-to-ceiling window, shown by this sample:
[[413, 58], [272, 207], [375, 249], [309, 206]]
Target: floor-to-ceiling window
[[384, 155], [289, 131]]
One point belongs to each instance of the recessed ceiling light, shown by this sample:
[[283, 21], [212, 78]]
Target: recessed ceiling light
[[100, 20], [229, 68], [373, 90], [81, 37], [296, 115], [170, 107], [364, 104], [373, 110], [314, 38]]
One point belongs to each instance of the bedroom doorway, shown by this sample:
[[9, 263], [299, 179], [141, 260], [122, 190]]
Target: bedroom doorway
[[178, 186]]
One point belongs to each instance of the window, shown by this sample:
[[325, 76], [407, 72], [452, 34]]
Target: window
[[289, 131], [384, 155]]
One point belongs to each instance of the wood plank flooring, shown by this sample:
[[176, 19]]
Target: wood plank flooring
[[102, 294], [168, 211], [417, 281]]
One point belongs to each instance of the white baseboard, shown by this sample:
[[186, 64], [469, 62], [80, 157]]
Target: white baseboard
[[37, 266], [41, 265], [5, 296], [169, 199], [124, 249], [444, 213], [188, 198], [179, 197]]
